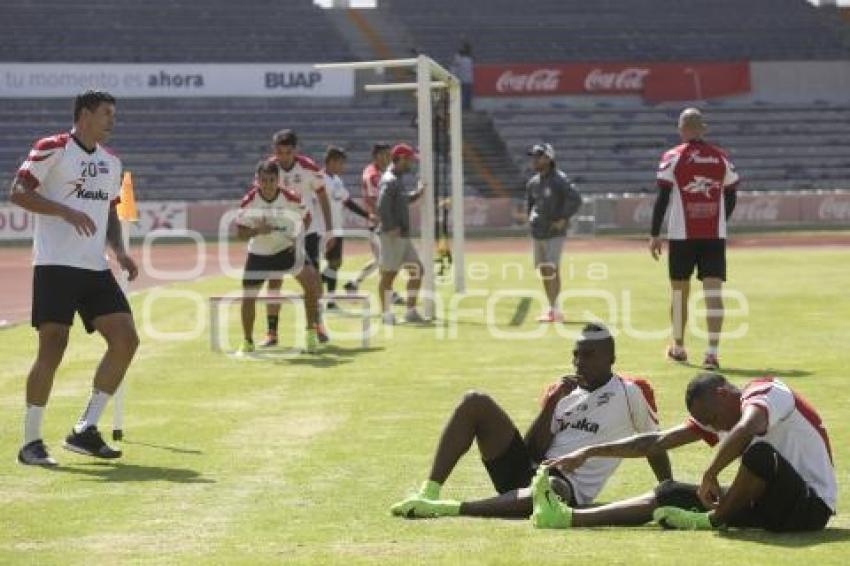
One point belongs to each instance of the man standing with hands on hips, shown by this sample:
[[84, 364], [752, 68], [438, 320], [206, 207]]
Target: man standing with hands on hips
[[552, 200]]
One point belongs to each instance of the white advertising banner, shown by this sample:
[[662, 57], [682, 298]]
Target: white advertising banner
[[17, 224], [152, 80]]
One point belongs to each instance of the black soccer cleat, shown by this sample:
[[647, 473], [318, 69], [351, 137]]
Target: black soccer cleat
[[90, 443], [350, 287], [35, 454]]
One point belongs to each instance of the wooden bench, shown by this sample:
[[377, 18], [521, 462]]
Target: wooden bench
[[215, 303]]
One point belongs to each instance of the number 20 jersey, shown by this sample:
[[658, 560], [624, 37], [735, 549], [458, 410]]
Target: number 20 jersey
[[62, 170]]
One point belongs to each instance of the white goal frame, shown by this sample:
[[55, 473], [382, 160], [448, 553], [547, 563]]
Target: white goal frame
[[429, 75]]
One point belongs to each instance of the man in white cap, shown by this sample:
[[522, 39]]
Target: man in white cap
[[552, 200], [698, 181]]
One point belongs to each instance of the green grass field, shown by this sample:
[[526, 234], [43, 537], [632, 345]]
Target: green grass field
[[296, 460]]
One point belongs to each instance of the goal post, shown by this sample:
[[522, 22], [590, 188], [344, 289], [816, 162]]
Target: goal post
[[429, 76]]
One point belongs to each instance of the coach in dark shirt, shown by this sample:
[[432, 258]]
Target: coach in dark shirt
[[552, 200]]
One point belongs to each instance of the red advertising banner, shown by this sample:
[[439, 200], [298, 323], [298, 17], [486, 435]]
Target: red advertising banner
[[654, 81]]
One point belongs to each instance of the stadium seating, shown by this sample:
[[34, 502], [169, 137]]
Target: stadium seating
[[610, 149], [164, 31], [207, 148], [604, 30]]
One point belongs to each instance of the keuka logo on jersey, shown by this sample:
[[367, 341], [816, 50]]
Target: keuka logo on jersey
[[79, 192], [582, 424]]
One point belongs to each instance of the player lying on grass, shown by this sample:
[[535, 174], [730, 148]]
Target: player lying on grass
[[272, 219], [592, 406], [785, 481]]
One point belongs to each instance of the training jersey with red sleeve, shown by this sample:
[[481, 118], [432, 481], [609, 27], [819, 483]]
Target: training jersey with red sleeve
[[64, 171], [370, 181], [285, 213], [698, 174], [620, 408], [794, 430], [305, 178]]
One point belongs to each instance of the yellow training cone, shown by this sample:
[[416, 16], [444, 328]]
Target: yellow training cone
[[127, 206]]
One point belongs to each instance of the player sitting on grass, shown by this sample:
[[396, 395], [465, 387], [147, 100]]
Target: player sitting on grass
[[785, 482], [271, 219], [581, 410]]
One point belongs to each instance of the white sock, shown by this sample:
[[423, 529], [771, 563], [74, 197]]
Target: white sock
[[711, 351], [94, 409], [32, 423]]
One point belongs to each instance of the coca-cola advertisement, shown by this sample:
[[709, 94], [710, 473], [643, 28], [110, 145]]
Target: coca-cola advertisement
[[654, 81]]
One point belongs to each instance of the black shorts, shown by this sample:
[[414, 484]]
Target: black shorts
[[788, 504], [335, 251], [708, 256], [58, 291], [311, 247], [515, 468], [259, 268]]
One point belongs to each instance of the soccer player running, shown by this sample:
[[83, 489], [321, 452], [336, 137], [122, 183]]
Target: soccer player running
[[785, 480], [272, 220], [369, 188], [700, 182], [301, 174], [335, 159], [72, 183], [594, 405], [397, 250], [552, 200]]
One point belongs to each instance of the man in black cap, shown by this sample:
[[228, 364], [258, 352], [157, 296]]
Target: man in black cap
[[552, 200]]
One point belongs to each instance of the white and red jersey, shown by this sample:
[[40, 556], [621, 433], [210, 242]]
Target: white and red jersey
[[794, 429], [370, 181], [306, 179], [620, 408], [338, 195], [62, 170], [697, 173], [285, 213]]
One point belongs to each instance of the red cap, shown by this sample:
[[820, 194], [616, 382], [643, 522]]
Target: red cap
[[404, 150]]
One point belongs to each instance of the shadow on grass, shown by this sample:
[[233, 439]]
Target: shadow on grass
[[175, 449], [119, 472], [328, 356], [755, 372], [790, 540]]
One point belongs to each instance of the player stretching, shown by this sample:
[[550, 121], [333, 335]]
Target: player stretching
[[272, 219], [576, 412], [700, 181], [301, 174], [72, 184], [335, 159], [785, 480]]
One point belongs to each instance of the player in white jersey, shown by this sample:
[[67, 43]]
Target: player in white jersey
[[272, 220], [301, 174], [72, 184], [785, 482], [579, 411], [369, 189], [340, 198]]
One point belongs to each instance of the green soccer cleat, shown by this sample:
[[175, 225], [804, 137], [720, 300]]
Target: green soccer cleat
[[417, 507], [549, 511], [247, 347], [682, 519], [312, 341]]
